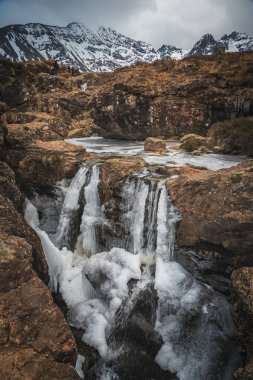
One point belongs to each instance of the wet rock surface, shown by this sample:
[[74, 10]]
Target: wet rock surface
[[114, 170]]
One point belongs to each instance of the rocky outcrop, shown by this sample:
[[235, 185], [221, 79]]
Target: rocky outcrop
[[242, 287], [37, 105], [163, 99], [35, 339], [155, 145], [174, 97], [216, 209], [43, 163], [113, 171], [233, 136]]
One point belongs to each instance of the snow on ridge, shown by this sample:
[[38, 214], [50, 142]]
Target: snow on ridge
[[102, 50]]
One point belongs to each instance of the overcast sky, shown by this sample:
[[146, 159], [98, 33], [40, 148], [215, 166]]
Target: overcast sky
[[176, 22]]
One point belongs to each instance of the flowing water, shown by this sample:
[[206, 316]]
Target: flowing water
[[134, 290]]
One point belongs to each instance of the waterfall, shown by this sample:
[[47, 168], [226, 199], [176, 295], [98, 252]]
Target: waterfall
[[149, 219], [69, 208], [51, 252], [92, 214], [134, 195], [103, 289]]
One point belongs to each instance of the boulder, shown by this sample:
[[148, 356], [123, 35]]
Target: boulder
[[192, 142], [155, 145]]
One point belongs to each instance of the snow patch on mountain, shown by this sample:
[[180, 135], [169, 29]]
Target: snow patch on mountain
[[234, 42], [103, 50]]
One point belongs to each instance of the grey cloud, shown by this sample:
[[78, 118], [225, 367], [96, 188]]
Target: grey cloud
[[177, 22]]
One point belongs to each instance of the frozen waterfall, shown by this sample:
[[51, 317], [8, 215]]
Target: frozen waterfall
[[69, 208], [103, 288], [149, 218]]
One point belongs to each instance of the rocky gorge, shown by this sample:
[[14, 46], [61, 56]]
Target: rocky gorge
[[213, 233]]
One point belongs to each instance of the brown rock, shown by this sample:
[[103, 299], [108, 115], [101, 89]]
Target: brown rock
[[166, 98], [34, 332], [44, 163], [178, 171], [15, 261], [170, 98], [35, 340], [12, 223], [216, 208], [114, 170], [8, 187], [193, 142], [20, 135], [155, 145]]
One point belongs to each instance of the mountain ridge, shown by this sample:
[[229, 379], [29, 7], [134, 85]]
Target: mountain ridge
[[103, 50]]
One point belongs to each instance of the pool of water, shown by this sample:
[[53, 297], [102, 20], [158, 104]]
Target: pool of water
[[172, 158]]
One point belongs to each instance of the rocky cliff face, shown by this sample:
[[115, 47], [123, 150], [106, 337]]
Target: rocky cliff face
[[35, 338], [166, 98], [226, 220], [242, 285], [173, 98]]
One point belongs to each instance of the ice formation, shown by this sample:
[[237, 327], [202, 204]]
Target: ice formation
[[194, 322]]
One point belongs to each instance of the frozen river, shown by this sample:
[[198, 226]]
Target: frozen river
[[174, 158]]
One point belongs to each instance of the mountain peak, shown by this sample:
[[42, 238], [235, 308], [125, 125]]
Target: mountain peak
[[204, 46], [207, 36], [103, 50]]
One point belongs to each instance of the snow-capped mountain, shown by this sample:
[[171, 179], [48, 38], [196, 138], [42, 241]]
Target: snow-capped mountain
[[103, 50], [204, 46], [73, 45], [171, 52], [237, 42], [233, 42]]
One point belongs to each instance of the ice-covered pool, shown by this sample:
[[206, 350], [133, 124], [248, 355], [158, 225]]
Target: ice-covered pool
[[175, 158]]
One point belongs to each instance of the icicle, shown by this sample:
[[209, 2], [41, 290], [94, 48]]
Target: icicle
[[149, 219], [92, 213], [69, 208], [52, 253]]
